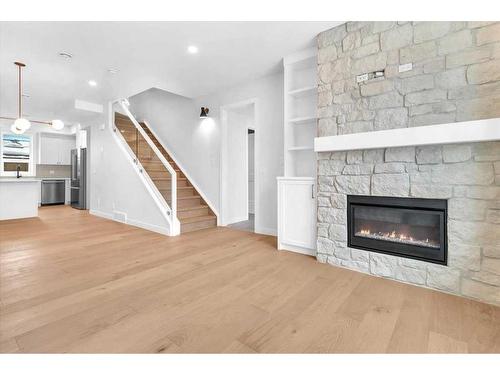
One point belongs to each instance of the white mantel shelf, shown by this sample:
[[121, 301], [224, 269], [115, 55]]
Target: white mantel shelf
[[456, 132]]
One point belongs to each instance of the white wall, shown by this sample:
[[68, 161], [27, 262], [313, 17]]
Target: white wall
[[113, 183], [268, 139]]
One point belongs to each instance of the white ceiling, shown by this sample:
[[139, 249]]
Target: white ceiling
[[146, 54]]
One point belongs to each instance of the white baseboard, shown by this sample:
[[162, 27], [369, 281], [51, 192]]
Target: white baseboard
[[266, 231], [135, 223], [235, 220], [147, 226], [297, 249], [102, 214]]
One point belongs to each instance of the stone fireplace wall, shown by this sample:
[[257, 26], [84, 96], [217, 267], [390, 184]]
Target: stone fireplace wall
[[455, 77]]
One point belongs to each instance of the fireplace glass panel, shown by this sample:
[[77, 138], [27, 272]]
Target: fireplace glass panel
[[402, 226], [398, 225]]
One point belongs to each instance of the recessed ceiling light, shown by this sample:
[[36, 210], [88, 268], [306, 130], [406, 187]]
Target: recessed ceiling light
[[112, 70], [66, 55], [92, 83], [193, 49]]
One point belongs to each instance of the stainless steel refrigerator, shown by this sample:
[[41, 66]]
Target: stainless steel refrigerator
[[79, 178]]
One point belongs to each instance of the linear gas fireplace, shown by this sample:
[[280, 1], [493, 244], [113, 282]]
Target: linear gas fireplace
[[408, 227]]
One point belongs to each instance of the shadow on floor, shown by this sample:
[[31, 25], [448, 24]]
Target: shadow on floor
[[247, 225]]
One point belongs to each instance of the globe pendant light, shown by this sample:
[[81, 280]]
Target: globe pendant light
[[57, 124], [14, 129], [22, 123]]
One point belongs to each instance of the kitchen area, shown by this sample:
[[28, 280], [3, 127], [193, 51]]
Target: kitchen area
[[42, 168]]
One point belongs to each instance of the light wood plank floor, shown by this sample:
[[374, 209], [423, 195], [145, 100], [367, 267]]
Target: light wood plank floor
[[72, 282]]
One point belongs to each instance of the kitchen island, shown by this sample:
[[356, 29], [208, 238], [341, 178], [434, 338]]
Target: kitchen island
[[19, 197]]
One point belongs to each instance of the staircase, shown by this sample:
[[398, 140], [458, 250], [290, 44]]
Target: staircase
[[192, 211]]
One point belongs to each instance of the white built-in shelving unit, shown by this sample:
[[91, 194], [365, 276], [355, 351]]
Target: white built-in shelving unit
[[300, 104], [297, 188]]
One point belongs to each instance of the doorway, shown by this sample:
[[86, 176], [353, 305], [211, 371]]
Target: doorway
[[238, 161]]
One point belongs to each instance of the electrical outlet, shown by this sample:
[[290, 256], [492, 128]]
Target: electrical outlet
[[405, 67], [51, 172], [362, 78]]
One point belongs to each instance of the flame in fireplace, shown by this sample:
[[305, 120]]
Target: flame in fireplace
[[393, 236]]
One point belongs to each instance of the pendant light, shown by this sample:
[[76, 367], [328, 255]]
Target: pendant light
[[14, 129], [57, 124], [21, 124]]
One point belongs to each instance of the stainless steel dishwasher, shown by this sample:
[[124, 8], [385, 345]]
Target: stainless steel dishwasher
[[53, 192]]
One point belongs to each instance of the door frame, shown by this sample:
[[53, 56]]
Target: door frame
[[224, 109]]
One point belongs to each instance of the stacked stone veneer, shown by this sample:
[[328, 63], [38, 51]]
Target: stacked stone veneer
[[455, 77]]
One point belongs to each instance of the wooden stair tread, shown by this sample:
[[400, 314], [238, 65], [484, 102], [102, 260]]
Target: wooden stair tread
[[166, 171], [119, 116], [196, 219], [178, 188], [183, 209], [167, 178], [146, 164], [155, 159], [188, 197]]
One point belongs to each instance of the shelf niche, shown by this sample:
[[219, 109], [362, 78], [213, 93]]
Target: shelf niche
[[300, 106]]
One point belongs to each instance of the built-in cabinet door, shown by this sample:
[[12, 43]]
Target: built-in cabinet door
[[56, 149], [297, 215], [49, 150], [66, 146]]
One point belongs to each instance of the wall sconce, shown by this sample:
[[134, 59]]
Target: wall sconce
[[204, 112]]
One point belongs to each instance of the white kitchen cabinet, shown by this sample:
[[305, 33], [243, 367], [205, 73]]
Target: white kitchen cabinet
[[297, 214], [48, 150], [56, 149], [66, 145]]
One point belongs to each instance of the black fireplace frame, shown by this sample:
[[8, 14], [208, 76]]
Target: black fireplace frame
[[439, 206]]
